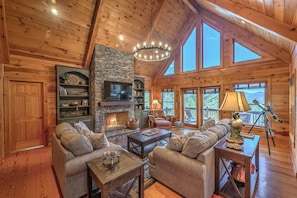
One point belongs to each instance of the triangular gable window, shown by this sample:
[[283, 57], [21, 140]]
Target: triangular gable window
[[242, 53], [170, 69]]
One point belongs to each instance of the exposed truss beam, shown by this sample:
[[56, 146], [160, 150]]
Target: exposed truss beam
[[251, 16], [4, 50], [93, 33]]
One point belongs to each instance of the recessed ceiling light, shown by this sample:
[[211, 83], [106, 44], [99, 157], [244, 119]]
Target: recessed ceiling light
[[121, 37], [243, 22], [55, 11]]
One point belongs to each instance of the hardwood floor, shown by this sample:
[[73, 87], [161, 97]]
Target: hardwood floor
[[28, 174]]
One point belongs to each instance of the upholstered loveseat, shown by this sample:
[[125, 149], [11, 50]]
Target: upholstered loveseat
[[71, 149], [187, 163]]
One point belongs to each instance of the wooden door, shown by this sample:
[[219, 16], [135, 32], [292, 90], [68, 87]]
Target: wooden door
[[26, 115]]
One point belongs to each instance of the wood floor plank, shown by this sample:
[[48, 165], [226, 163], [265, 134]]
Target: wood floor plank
[[28, 174]]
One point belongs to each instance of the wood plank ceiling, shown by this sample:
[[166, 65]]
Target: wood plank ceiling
[[29, 29]]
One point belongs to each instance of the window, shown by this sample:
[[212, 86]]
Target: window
[[170, 69], [147, 100], [190, 106], [253, 91], [189, 53], [241, 53], [168, 101], [211, 47], [210, 103]]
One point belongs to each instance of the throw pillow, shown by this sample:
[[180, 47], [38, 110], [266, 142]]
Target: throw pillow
[[76, 143], [81, 127], [98, 140], [196, 145], [186, 136], [208, 123], [63, 128], [175, 144]]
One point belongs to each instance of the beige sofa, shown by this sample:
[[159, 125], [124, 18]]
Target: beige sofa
[[187, 166], [70, 166]]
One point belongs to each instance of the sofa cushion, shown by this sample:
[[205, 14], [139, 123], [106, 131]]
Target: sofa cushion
[[81, 127], [208, 123], [175, 144], [198, 143], [226, 122], [76, 143], [220, 130], [98, 140], [64, 127]]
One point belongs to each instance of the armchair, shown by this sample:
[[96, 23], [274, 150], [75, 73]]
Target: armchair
[[158, 119]]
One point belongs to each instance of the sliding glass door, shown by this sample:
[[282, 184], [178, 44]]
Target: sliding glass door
[[190, 106], [210, 103]]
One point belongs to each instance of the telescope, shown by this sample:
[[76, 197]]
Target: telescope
[[269, 110]]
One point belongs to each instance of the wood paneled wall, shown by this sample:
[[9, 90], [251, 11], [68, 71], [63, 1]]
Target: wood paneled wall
[[35, 70], [273, 68]]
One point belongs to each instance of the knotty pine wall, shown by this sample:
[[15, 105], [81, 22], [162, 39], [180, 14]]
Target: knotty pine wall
[[37, 70], [273, 68]]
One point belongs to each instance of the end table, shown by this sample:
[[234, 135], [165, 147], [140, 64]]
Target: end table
[[249, 154]]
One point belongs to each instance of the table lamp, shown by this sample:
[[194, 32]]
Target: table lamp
[[236, 102], [155, 104]]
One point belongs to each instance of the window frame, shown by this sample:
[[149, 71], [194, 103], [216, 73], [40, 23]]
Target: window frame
[[182, 51], [267, 94], [164, 90], [202, 49]]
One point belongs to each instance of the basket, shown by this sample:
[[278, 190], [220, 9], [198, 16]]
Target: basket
[[133, 123]]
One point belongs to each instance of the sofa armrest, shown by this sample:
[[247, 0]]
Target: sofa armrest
[[79, 163], [161, 155], [59, 152]]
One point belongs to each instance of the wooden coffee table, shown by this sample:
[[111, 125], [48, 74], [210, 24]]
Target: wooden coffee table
[[145, 141], [107, 179]]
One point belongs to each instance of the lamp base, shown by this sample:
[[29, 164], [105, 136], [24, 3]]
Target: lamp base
[[235, 142]]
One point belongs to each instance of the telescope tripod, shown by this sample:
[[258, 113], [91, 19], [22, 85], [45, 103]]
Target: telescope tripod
[[268, 129]]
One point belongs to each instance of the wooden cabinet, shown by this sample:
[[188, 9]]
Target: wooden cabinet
[[73, 95], [139, 93]]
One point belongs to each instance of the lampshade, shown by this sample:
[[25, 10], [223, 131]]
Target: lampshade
[[235, 101], [155, 102]]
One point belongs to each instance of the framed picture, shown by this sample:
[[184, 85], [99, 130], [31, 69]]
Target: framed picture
[[85, 102]]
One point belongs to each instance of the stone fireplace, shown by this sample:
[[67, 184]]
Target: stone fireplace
[[111, 65], [116, 120]]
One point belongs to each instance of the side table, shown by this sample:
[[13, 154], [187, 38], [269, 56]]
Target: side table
[[249, 154], [107, 179]]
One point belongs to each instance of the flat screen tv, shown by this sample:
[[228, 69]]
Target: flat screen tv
[[117, 91]]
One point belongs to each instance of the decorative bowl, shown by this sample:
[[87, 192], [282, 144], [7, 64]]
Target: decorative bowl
[[111, 158]]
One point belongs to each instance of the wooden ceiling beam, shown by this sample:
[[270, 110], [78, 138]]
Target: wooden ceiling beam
[[193, 5], [93, 33], [258, 19], [4, 49]]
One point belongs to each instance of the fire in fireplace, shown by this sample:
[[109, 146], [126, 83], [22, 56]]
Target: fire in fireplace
[[116, 120]]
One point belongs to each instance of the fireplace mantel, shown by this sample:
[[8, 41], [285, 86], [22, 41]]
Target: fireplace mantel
[[116, 103]]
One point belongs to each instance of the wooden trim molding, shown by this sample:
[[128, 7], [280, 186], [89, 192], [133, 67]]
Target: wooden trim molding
[[1, 113]]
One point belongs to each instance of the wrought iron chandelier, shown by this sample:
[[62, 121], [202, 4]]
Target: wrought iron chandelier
[[151, 51]]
